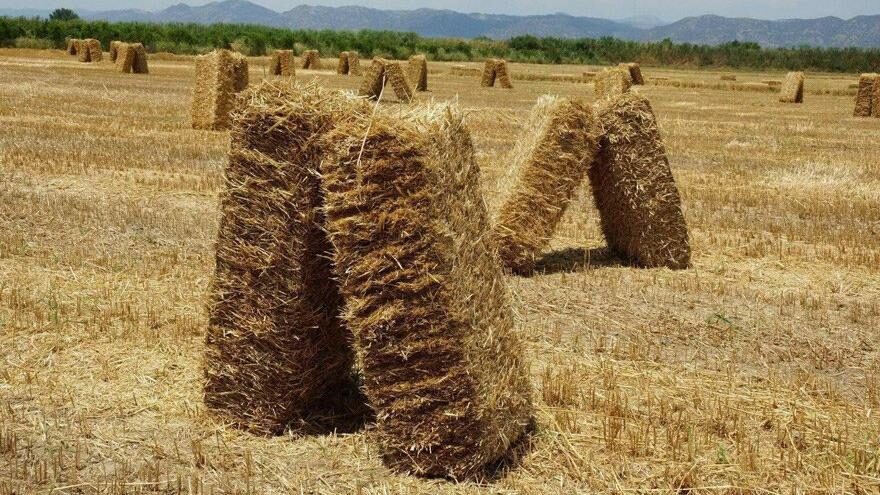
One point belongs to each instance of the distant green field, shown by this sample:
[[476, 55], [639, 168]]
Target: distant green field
[[258, 40]]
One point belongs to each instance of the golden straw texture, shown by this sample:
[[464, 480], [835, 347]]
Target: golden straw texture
[[793, 88], [612, 82], [219, 76]]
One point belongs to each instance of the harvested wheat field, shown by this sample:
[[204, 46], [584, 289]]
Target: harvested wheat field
[[754, 370]]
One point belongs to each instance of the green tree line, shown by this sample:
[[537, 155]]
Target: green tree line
[[259, 40]]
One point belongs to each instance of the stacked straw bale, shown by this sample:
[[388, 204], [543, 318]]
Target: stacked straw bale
[[495, 70], [613, 82], [220, 75], [793, 88], [865, 96], [282, 63], [417, 70], [635, 73], [551, 159], [635, 192], [382, 72], [349, 64], [311, 59], [73, 45], [425, 295], [114, 50], [276, 351], [89, 50], [131, 58]]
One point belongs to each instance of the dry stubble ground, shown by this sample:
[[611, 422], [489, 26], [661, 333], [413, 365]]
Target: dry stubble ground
[[755, 371]]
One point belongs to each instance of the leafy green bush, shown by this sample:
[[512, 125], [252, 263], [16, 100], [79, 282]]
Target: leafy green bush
[[36, 43]]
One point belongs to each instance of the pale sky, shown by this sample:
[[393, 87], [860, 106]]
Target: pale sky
[[612, 9]]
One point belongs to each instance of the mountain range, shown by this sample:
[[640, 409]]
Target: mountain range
[[862, 31]]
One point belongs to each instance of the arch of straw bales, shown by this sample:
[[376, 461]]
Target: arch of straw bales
[[612, 82], [349, 64], [382, 72], [793, 88], [131, 58], [865, 96], [495, 70], [89, 50], [276, 350], [282, 63], [73, 45], [551, 159], [409, 230], [634, 189], [417, 70], [220, 75], [311, 59], [635, 73]]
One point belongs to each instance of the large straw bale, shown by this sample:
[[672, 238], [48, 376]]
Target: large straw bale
[[551, 160], [276, 351], [417, 70], [382, 72], [114, 50], [634, 189], [93, 47], [282, 63], [73, 46], [865, 96], [425, 296], [311, 59], [875, 104], [635, 73], [612, 82], [219, 76], [793, 88]]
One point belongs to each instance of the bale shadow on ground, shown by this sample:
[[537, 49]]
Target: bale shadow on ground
[[576, 260]]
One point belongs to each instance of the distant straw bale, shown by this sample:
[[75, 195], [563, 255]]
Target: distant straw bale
[[865, 96], [417, 69], [342, 65], [354, 63], [612, 82], [114, 50], [219, 76], [276, 351], [73, 45], [131, 58], [551, 160], [311, 59], [635, 73], [461, 70], [140, 60], [382, 72], [793, 88], [634, 189], [425, 296], [495, 71], [89, 50], [728, 77], [875, 104], [282, 63]]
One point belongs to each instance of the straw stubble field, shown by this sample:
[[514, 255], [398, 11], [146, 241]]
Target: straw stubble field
[[756, 370]]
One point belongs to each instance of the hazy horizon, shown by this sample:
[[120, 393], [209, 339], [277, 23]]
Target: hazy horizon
[[612, 9]]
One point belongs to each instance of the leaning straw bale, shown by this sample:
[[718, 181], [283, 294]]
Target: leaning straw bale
[[875, 104], [635, 73], [612, 82], [634, 189], [487, 80], [865, 96], [342, 65], [425, 296], [93, 47], [417, 69], [282, 63], [140, 60], [502, 76], [73, 46], [354, 63], [82, 52], [125, 57], [114, 50], [276, 351], [793, 88], [374, 79], [551, 160], [311, 59], [382, 72], [219, 76]]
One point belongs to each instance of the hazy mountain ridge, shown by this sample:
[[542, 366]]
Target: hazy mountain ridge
[[862, 31]]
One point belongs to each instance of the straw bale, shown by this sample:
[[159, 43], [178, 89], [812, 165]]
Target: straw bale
[[382, 72], [635, 73], [342, 65], [489, 74], [865, 96], [354, 63], [502, 76], [140, 60], [551, 160], [282, 63], [82, 51], [793, 88], [612, 82], [114, 50], [93, 47], [276, 351], [425, 295], [311, 59], [73, 46], [634, 189], [461, 70], [131, 57], [417, 70], [219, 76], [875, 104]]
